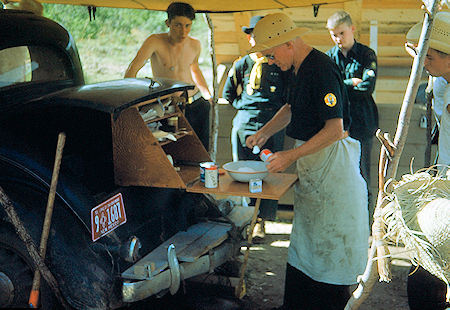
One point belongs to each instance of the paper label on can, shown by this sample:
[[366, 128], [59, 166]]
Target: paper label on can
[[265, 154], [255, 185], [211, 177]]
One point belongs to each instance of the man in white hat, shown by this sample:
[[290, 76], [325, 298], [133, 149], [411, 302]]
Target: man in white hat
[[329, 239], [437, 64], [426, 291]]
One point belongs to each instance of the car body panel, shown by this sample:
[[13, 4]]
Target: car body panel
[[42, 93]]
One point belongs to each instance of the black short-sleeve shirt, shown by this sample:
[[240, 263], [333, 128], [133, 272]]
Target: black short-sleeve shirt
[[316, 94]]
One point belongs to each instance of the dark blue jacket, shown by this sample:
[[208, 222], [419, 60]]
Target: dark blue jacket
[[361, 62]]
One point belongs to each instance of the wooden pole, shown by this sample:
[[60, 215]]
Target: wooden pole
[[240, 289], [215, 108], [429, 99], [34, 294], [413, 84]]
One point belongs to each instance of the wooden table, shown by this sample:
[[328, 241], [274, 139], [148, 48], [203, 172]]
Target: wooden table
[[275, 185]]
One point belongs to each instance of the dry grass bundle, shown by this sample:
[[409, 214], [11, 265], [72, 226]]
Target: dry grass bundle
[[418, 216]]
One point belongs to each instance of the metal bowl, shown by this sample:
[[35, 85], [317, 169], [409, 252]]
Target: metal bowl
[[245, 170]]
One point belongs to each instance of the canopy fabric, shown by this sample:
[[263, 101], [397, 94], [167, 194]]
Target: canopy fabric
[[212, 6]]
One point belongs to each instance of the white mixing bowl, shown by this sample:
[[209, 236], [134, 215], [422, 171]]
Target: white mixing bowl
[[245, 170]]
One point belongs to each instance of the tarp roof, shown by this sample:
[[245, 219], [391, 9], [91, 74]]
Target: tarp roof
[[200, 5]]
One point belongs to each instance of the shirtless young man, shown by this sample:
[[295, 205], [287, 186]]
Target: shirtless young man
[[174, 55]]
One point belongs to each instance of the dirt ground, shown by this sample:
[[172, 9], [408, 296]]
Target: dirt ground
[[267, 263], [265, 282]]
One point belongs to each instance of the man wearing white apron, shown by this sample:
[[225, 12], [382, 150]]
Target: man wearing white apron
[[329, 239]]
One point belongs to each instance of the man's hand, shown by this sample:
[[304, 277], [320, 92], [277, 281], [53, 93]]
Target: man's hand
[[258, 139], [280, 161], [356, 81]]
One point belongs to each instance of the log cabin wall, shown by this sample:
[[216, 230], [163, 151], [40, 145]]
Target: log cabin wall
[[380, 24]]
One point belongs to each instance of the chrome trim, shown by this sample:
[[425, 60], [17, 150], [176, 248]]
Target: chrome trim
[[174, 267], [132, 253], [138, 290]]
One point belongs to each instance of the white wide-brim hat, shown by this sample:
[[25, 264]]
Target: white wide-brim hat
[[273, 30], [440, 34]]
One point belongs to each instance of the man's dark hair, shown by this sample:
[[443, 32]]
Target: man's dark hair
[[180, 9]]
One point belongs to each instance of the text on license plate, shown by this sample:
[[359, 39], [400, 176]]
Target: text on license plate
[[107, 216]]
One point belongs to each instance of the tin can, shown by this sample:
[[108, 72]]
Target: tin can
[[211, 176], [203, 166], [265, 154], [255, 186]]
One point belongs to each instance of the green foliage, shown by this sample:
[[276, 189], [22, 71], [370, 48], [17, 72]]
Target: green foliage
[[107, 20], [108, 44]]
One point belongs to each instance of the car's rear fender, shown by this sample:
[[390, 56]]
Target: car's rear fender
[[84, 270]]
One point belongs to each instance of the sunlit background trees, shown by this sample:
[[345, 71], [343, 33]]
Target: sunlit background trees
[[108, 43]]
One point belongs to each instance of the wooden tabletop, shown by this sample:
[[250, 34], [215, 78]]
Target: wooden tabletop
[[274, 186]]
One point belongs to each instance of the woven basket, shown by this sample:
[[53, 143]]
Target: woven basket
[[418, 215]]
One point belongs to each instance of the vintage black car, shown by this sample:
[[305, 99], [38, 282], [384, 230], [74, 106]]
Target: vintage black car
[[124, 226]]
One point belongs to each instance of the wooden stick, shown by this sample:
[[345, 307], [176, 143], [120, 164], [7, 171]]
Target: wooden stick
[[31, 248], [378, 227], [34, 294], [365, 282], [386, 143], [239, 292], [214, 132]]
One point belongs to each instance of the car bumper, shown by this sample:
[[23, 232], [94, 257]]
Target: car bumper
[[133, 291]]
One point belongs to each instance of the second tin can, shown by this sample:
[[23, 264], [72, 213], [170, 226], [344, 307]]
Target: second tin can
[[265, 154], [211, 176]]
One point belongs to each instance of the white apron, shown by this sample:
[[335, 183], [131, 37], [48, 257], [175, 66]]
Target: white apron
[[330, 231]]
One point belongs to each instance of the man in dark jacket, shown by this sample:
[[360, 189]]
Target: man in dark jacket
[[358, 64]]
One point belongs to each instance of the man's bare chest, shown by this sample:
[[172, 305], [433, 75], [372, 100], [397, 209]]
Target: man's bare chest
[[173, 59]]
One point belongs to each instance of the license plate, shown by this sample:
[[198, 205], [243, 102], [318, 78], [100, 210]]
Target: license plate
[[107, 216]]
